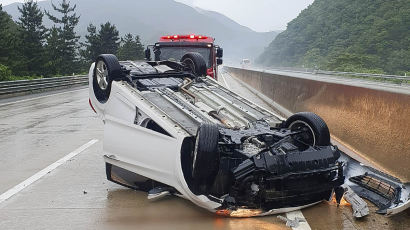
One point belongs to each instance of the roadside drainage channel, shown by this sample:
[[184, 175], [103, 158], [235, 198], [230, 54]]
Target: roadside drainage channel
[[369, 121]]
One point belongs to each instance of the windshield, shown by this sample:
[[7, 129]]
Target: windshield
[[176, 53]]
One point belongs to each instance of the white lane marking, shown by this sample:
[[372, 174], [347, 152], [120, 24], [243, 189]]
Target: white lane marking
[[35, 98], [11, 192], [302, 225], [223, 78]]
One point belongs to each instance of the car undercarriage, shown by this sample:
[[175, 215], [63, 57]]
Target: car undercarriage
[[170, 129]]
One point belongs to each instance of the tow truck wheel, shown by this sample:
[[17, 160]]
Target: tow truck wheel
[[205, 163], [316, 132], [107, 68], [195, 62]]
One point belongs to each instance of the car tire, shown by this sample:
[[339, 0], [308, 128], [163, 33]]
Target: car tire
[[107, 69], [195, 62], [205, 160], [318, 134]]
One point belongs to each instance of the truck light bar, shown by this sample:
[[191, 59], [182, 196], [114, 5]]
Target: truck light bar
[[191, 36]]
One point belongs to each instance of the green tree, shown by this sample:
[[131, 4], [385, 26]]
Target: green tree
[[6, 29], [68, 38], [10, 57], [33, 35], [312, 58], [105, 40], [52, 51], [367, 35], [5, 73], [92, 45], [131, 48], [109, 39]]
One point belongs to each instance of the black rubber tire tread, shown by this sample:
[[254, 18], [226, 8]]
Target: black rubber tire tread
[[114, 73], [199, 63], [320, 129], [207, 159]]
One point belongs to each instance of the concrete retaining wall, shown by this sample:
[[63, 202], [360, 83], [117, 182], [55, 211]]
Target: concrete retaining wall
[[373, 123]]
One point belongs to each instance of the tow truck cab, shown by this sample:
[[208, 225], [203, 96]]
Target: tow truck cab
[[173, 47]]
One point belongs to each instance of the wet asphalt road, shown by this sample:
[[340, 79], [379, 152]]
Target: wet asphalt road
[[39, 131]]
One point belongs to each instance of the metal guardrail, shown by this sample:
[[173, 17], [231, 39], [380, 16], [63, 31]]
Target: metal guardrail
[[399, 79], [22, 86]]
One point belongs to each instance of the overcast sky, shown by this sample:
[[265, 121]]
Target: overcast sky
[[259, 15]]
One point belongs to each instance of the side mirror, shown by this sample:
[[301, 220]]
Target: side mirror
[[219, 52], [219, 61], [148, 54]]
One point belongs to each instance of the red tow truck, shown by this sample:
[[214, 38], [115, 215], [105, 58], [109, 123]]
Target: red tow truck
[[173, 47]]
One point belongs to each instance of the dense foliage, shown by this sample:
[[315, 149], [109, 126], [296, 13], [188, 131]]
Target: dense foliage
[[131, 48], [10, 58], [346, 35], [65, 23], [5, 72], [33, 35], [28, 49], [107, 40]]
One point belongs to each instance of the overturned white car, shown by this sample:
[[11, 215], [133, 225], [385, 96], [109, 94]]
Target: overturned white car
[[170, 129]]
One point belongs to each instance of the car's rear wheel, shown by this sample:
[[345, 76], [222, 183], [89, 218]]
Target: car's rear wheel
[[107, 69], [314, 129], [195, 62], [205, 163]]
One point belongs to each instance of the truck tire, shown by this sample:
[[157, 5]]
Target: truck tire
[[205, 163], [317, 132], [195, 62], [107, 69]]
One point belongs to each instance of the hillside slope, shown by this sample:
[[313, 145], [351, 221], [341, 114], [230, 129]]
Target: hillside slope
[[154, 18], [346, 35]]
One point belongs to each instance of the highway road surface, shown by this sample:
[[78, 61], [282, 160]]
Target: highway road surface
[[52, 176]]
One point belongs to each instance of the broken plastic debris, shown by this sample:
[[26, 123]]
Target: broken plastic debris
[[158, 193], [292, 223], [359, 206]]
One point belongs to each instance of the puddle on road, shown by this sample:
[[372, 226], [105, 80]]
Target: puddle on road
[[327, 215], [128, 208]]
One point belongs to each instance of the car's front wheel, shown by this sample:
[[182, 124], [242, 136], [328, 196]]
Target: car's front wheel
[[314, 130]]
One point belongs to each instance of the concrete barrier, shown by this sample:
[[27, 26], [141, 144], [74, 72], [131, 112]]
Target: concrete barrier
[[373, 123]]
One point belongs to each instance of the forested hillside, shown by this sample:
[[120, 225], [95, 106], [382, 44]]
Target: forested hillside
[[29, 49], [346, 35], [8, 56], [151, 19], [60, 37]]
